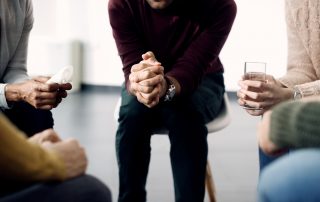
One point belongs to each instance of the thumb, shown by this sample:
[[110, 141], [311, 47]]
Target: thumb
[[47, 144], [41, 79], [150, 56]]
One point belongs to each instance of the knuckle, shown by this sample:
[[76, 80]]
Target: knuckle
[[260, 84], [255, 96], [145, 83], [258, 96], [147, 97], [134, 67], [148, 73], [149, 89], [139, 98], [37, 105]]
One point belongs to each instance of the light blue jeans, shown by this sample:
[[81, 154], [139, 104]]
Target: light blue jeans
[[292, 178]]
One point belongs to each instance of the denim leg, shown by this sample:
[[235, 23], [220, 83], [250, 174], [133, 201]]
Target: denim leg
[[29, 119], [189, 150], [133, 148], [265, 160], [80, 189], [293, 178]]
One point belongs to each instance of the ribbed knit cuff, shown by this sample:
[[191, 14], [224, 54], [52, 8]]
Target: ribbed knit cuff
[[309, 89], [295, 124], [279, 124]]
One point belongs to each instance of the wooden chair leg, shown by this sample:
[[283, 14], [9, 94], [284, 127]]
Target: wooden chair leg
[[210, 184]]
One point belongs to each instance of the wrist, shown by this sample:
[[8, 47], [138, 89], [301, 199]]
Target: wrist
[[12, 93], [164, 87], [296, 93], [131, 90], [170, 89]]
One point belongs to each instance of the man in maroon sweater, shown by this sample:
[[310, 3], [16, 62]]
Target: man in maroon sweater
[[173, 78]]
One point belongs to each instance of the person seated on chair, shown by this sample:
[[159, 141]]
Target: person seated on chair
[[303, 67], [173, 78], [45, 168], [25, 101], [295, 176]]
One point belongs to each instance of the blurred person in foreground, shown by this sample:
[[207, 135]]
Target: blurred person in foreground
[[45, 168], [294, 177]]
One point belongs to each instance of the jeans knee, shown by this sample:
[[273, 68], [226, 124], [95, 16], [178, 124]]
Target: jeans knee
[[95, 190]]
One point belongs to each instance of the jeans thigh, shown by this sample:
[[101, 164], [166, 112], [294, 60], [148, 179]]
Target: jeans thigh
[[209, 96], [29, 119]]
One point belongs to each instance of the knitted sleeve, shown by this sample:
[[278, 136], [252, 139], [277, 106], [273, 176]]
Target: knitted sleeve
[[301, 69], [296, 125], [24, 161]]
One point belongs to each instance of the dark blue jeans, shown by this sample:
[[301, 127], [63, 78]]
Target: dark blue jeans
[[29, 119], [81, 189], [265, 160], [185, 119]]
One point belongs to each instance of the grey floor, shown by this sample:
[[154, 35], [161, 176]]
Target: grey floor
[[88, 116]]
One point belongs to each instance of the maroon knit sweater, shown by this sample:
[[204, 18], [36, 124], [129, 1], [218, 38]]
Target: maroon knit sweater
[[186, 37]]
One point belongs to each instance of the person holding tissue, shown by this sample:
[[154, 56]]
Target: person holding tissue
[[25, 101]]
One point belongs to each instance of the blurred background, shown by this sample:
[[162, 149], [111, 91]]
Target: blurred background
[[63, 27], [78, 33]]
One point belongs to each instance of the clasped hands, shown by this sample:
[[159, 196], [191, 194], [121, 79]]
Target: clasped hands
[[70, 151], [147, 80]]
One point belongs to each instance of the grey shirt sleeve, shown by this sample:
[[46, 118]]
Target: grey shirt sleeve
[[16, 69]]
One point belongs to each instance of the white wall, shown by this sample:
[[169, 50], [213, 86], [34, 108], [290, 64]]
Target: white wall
[[258, 34], [57, 22]]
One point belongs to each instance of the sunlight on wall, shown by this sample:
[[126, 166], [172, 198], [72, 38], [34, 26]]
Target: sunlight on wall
[[258, 34]]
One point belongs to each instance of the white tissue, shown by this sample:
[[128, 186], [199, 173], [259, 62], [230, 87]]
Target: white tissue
[[64, 75]]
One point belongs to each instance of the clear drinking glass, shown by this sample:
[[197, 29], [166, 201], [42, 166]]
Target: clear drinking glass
[[254, 71]]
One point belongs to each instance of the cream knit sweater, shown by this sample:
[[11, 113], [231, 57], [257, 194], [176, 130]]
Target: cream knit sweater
[[303, 28]]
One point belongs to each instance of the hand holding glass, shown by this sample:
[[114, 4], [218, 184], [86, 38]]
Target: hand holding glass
[[254, 71]]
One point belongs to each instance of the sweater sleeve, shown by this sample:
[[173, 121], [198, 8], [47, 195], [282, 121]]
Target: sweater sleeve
[[189, 59], [300, 69], [296, 125], [24, 161], [205, 49], [17, 67]]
